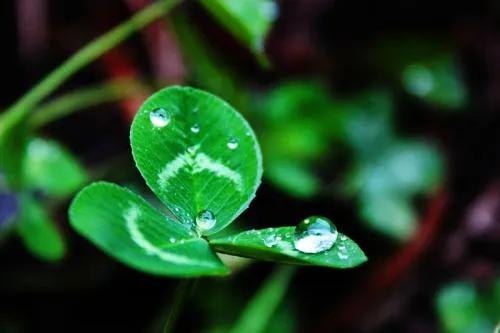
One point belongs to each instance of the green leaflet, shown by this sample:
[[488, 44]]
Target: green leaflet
[[276, 244], [49, 167], [128, 228], [197, 154], [248, 20], [38, 232]]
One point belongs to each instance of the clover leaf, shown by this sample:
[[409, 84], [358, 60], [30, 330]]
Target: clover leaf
[[202, 160]]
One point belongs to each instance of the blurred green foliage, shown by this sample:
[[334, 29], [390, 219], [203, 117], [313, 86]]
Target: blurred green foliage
[[303, 123], [302, 126], [47, 173], [425, 66], [462, 308], [248, 20]]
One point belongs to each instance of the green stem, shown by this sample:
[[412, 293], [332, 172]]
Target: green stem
[[20, 109], [259, 311], [84, 98], [181, 297]]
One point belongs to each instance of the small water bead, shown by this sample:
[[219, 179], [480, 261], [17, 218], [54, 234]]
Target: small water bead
[[159, 117], [191, 150], [205, 220], [172, 239], [342, 248], [315, 234], [343, 256], [195, 128], [232, 144], [343, 238], [271, 240]]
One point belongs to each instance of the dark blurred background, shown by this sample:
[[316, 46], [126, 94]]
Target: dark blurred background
[[355, 89]]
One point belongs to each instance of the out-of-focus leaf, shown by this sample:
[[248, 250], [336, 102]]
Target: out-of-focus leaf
[[38, 232], [276, 244], [300, 123], [248, 20], [426, 67], [129, 229], [459, 309], [207, 68], [405, 168], [367, 126], [391, 215], [387, 183], [293, 178], [51, 168], [199, 155], [259, 311], [437, 82]]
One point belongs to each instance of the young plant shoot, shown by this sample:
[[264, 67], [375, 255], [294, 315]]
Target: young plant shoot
[[202, 160]]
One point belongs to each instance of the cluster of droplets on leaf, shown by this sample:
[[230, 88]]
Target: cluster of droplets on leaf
[[159, 117], [315, 234], [271, 240], [205, 220], [342, 254]]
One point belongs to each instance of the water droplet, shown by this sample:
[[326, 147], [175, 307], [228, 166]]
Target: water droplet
[[232, 144], [342, 256], [342, 248], [205, 220], [195, 109], [343, 238], [195, 128], [271, 240], [159, 117], [315, 234], [191, 150], [172, 239]]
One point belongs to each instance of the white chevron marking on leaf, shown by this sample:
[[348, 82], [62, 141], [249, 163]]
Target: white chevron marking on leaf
[[171, 169], [131, 216], [201, 162], [204, 162]]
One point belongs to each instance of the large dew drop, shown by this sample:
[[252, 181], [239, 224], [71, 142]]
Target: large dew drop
[[315, 234], [205, 220], [159, 117]]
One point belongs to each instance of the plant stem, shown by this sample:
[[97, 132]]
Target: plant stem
[[20, 109], [84, 98], [259, 311], [181, 296]]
